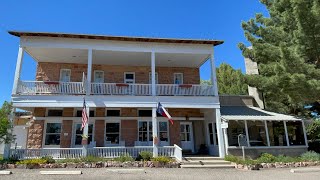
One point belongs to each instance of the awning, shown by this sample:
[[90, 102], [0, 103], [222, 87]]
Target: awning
[[252, 113]]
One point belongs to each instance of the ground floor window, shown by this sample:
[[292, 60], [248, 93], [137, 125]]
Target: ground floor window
[[235, 128], [295, 133], [277, 134], [112, 132], [185, 132], [145, 131], [79, 133], [257, 133], [52, 136], [163, 131]]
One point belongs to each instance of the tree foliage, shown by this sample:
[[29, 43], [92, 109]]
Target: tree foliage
[[286, 47], [5, 125], [230, 81]]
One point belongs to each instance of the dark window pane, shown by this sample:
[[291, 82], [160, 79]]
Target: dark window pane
[[235, 128], [142, 126], [216, 132], [163, 136], [182, 137], [52, 139], [79, 131], [295, 133], [210, 128], [211, 138], [78, 140], [53, 128], [113, 138], [113, 112], [129, 76], [54, 112], [277, 135], [79, 113], [143, 136], [145, 113], [150, 136], [163, 126], [112, 127]]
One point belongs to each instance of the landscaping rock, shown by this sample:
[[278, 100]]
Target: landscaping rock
[[21, 166], [99, 164], [11, 166], [71, 165]]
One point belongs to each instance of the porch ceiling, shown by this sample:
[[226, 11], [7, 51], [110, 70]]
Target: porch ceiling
[[116, 57]]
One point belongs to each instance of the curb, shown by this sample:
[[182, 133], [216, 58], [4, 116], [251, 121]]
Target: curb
[[305, 170], [5, 172], [60, 172]]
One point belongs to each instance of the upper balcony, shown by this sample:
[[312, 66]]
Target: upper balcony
[[120, 68]]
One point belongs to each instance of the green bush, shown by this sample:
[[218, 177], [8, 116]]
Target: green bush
[[310, 156], [91, 159], [266, 158], [145, 155], [124, 158], [162, 159], [49, 159], [69, 160], [232, 158], [32, 161]]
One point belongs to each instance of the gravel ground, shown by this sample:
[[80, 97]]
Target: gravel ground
[[183, 174]]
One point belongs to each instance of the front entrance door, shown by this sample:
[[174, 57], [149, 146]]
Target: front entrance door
[[186, 136]]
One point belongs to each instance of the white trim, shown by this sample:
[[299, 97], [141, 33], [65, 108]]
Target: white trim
[[191, 134], [270, 147], [89, 71], [60, 77], [304, 133], [111, 120], [267, 132], [213, 74], [128, 82], [153, 76], [286, 132], [17, 73], [44, 133], [51, 118], [94, 75], [221, 143], [174, 77], [247, 133]]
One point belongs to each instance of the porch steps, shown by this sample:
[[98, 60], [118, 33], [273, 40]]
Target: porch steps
[[205, 162]]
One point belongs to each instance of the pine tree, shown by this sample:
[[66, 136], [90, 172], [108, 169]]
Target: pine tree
[[286, 48]]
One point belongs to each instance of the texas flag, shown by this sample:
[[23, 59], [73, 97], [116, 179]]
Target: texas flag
[[162, 111]]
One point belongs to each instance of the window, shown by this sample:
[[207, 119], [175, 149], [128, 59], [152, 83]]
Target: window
[[79, 133], [79, 113], [65, 75], [54, 112], [147, 113], [295, 133], [178, 78], [145, 131], [277, 135], [129, 78], [257, 133], [150, 78], [98, 76], [53, 131], [114, 113], [185, 132], [210, 129], [112, 133], [235, 128], [163, 131]]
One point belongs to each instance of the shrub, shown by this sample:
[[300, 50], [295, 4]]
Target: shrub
[[124, 158], [49, 159], [162, 159], [145, 155], [266, 158], [68, 160], [310, 156], [32, 161], [90, 159]]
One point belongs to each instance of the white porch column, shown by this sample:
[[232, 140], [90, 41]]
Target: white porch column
[[286, 132], [222, 151], [304, 133], [267, 132], [247, 133], [89, 71], [226, 142], [155, 132], [213, 75], [153, 73], [17, 73]]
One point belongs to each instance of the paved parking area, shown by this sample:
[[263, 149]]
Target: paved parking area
[[183, 174]]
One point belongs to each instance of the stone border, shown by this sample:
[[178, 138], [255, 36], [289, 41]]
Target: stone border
[[134, 164], [276, 165]]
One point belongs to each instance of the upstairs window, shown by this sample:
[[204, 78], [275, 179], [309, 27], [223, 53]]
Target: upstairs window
[[147, 113], [129, 77], [55, 112], [113, 112], [65, 75], [98, 76], [178, 78], [79, 113]]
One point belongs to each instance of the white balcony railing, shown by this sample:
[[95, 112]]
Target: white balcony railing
[[76, 88]]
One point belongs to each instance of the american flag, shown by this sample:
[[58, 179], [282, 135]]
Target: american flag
[[84, 115]]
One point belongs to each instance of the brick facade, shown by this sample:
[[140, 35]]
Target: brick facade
[[129, 131], [175, 112], [115, 74], [67, 112], [66, 134], [39, 112], [99, 132], [35, 134], [174, 133], [129, 112]]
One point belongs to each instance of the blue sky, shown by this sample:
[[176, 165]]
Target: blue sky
[[206, 19]]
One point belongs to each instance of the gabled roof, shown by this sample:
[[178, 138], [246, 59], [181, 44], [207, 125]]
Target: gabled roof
[[116, 38], [252, 113]]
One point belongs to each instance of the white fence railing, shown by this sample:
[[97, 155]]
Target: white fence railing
[[42, 87], [105, 152]]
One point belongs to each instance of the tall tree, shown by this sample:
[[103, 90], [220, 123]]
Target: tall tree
[[286, 48], [5, 125], [230, 81]]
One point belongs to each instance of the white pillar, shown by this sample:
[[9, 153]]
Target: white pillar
[[85, 134], [222, 151], [89, 71], [153, 73], [213, 75], [7, 146], [304, 133], [226, 142], [247, 133], [286, 132], [267, 132], [155, 138], [18, 70]]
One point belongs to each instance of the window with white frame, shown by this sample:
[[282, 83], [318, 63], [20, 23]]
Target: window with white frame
[[150, 77], [79, 133], [65, 75], [112, 132], [178, 78], [163, 131], [129, 77], [52, 136], [145, 131], [98, 76], [210, 129]]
